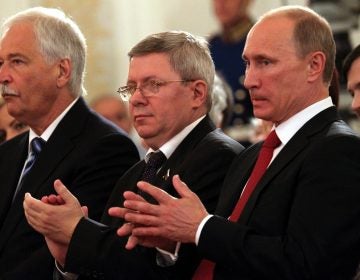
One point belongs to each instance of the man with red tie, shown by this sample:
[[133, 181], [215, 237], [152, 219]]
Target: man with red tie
[[293, 202]]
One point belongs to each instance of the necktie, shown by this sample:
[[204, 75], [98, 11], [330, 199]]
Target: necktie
[[206, 267], [264, 158], [155, 161], [36, 146]]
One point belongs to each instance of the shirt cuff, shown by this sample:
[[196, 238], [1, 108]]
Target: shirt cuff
[[165, 258], [200, 227], [66, 275]]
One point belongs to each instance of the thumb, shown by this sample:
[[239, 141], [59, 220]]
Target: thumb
[[85, 211], [181, 188], [63, 192]]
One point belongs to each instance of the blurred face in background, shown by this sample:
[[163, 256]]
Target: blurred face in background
[[115, 110], [229, 12], [353, 85], [9, 127]]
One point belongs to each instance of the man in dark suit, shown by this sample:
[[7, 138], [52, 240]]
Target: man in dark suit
[[42, 60], [301, 221], [170, 77]]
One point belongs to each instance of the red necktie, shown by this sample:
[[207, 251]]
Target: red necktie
[[206, 268]]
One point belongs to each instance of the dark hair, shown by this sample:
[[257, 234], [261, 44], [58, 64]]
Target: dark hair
[[350, 58], [334, 88]]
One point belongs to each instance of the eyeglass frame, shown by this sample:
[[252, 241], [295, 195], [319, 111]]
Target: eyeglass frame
[[126, 92]]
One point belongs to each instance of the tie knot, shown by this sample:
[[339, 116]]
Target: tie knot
[[156, 159], [37, 144], [272, 141]]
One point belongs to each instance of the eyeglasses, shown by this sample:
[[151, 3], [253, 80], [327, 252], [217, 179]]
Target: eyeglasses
[[147, 89]]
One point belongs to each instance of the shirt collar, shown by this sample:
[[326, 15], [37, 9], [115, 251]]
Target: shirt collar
[[169, 147], [50, 129], [287, 129]]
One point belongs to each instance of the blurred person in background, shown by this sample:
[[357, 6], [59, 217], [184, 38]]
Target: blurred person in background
[[343, 16], [226, 48], [222, 102], [113, 108], [351, 73], [9, 127]]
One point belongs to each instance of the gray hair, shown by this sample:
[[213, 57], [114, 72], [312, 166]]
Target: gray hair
[[311, 33], [220, 101], [189, 55], [58, 37]]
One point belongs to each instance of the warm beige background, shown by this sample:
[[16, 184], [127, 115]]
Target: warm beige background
[[112, 27]]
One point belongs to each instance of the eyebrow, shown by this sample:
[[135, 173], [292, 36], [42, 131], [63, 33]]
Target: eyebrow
[[12, 55], [143, 80]]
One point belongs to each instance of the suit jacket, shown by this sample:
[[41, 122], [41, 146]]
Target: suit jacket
[[87, 153], [302, 220], [201, 160]]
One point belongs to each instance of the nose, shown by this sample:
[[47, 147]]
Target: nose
[[137, 98], [250, 80], [5, 76]]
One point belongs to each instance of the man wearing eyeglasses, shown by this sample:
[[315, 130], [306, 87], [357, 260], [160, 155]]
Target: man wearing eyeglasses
[[169, 80]]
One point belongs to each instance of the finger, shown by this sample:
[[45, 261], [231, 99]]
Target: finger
[[118, 212], [32, 204], [158, 194], [131, 243], [51, 199], [147, 231], [133, 196], [45, 199], [135, 206], [125, 229], [60, 200], [181, 188], [32, 211], [63, 192], [85, 211], [140, 218]]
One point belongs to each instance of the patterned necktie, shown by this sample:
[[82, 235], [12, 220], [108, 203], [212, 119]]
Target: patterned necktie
[[36, 146], [155, 161], [206, 268]]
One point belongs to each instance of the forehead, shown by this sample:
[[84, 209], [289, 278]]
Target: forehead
[[353, 76], [150, 65], [271, 35], [354, 69], [18, 38]]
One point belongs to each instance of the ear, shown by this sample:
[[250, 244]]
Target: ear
[[64, 72], [316, 65], [200, 90]]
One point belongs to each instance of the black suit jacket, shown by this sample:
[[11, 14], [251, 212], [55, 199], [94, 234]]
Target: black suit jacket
[[87, 153], [302, 220], [201, 160]]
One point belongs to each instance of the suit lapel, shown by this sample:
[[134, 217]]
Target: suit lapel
[[61, 142], [238, 175], [10, 170], [296, 145], [178, 159]]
